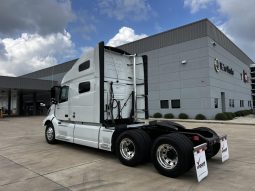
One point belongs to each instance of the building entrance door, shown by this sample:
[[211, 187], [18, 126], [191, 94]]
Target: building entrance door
[[223, 102]]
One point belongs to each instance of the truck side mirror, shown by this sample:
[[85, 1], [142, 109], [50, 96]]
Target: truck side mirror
[[55, 94]]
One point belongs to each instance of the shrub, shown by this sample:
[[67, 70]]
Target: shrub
[[221, 116], [183, 116], [251, 111], [169, 116], [239, 113], [233, 115], [243, 112], [248, 112], [230, 115], [157, 115], [200, 117]]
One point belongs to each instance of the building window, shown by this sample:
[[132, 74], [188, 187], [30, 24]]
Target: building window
[[249, 103], [231, 103], [164, 104], [241, 103], [176, 103], [84, 87], [84, 66], [216, 100], [63, 97]]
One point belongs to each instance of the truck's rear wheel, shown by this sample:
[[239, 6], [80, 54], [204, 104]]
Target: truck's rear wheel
[[211, 150], [50, 134], [172, 154], [131, 147]]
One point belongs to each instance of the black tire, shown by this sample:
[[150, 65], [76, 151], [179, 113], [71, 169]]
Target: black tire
[[211, 150], [136, 144], [183, 150], [50, 130], [148, 142]]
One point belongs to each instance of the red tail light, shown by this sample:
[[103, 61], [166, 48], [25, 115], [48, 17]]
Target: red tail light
[[195, 138]]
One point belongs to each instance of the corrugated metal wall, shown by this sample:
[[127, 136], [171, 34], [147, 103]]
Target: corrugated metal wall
[[220, 38], [186, 33], [182, 34], [25, 83], [60, 68]]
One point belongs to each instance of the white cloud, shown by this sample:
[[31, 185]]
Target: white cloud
[[196, 5], [125, 9], [234, 18], [125, 35], [35, 16], [239, 23], [31, 52], [86, 49]]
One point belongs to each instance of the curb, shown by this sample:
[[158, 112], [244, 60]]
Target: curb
[[201, 121]]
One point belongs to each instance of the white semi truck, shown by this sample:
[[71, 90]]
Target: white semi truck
[[101, 103]]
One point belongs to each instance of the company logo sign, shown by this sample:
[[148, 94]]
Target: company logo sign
[[245, 77], [200, 165], [224, 148], [219, 66]]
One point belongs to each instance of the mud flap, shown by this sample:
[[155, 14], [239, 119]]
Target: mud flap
[[224, 148], [200, 161]]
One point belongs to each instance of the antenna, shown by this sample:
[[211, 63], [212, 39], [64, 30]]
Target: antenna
[[52, 77]]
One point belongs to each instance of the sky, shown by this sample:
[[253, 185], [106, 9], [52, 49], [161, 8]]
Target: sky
[[36, 34]]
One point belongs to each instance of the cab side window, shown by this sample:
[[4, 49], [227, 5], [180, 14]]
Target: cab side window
[[84, 87], [63, 97]]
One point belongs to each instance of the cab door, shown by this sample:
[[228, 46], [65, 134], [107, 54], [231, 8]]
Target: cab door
[[64, 129]]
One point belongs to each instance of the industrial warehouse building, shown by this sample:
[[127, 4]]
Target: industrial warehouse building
[[191, 69]]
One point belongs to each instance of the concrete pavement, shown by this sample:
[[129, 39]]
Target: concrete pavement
[[27, 162], [247, 120]]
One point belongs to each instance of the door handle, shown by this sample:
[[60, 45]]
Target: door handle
[[66, 115]]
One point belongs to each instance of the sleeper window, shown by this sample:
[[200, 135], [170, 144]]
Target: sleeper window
[[84, 66]]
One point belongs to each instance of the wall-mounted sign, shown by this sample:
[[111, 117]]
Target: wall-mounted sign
[[219, 66]]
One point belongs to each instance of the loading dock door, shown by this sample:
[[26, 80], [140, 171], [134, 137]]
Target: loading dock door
[[223, 102]]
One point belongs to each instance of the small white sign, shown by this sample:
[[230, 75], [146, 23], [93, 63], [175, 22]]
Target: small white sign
[[200, 162], [224, 148]]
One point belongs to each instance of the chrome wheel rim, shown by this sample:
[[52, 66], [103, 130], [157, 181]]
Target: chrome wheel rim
[[127, 148], [49, 133], [167, 156]]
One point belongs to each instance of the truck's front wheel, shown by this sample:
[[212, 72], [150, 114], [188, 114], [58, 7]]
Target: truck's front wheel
[[172, 154], [131, 147], [50, 134]]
